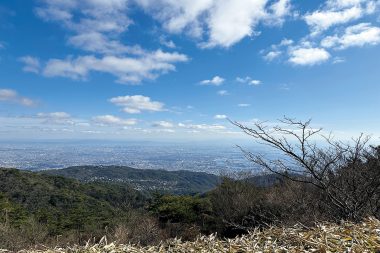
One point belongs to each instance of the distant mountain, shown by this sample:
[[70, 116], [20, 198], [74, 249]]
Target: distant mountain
[[61, 203], [176, 182]]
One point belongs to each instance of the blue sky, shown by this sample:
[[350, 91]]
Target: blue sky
[[144, 69]]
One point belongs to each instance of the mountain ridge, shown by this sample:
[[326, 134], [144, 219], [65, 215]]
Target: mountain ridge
[[177, 182]]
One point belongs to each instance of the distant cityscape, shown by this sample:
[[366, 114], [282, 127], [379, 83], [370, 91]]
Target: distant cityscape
[[54, 155]]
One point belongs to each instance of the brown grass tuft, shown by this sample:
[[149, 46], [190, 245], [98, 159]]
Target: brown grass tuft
[[324, 237]]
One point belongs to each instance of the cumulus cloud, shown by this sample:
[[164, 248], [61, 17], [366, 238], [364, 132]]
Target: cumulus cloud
[[308, 56], [99, 43], [271, 55], [354, 36], [279, 10], [222, 22], [322, 20], [96, 26], [243, 79], [137, 104], [8, 95], [231, 21], [248, 80], [126, 69], [163, 124], [113, 120], [312, 48], [276, 50], [94, 23], [337, 12], [222, 93], [254, 82], [220, 116], [216, 81], [167, 43], [32, 64]]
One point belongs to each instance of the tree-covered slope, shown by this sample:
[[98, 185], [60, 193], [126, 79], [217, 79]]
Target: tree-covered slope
[[178, 182], [61, 203]]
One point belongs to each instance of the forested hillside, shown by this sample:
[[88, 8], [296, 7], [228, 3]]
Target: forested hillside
[[176, 182], [61, 204]]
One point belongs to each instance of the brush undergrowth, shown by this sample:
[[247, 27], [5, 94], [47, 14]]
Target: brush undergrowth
[[324, 237]]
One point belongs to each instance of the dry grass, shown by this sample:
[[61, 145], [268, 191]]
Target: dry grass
[[326, 237]]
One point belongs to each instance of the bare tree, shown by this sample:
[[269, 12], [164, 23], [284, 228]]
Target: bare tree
[[340, 170]]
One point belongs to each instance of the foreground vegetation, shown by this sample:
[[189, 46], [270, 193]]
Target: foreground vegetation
[[324, 237]]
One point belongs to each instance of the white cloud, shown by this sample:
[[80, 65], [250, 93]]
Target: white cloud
[[94, 22], [254, 82], [164, 130], [308, 56], [167, 43], [322, 20], [8, 95], [310, 50], [338, 12], [271, 55], [177, 16], [54, 115], [248, 80], [281, 7], [96, 26], [222, 22], [164, 124], [60, 118], [354, 36], [243, 79], [279, 11], [202, 127], [244, 105], [126, 69], [286, 42], [344, 3], [137, 104], [113, 120], [231, 21], [222, 93], [276, 50], [216, 81], [32, 64], [338, 60], [99, 43], [220, 116]]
